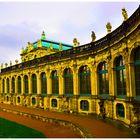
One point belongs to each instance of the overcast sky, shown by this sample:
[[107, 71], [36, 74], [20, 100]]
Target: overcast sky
[[21, 22]]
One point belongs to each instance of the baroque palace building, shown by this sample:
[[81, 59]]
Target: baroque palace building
[[101, 77]]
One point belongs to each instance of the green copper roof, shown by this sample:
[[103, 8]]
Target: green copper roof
[[55, 45]]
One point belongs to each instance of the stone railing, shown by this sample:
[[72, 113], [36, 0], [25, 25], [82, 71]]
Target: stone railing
[[75, 127]]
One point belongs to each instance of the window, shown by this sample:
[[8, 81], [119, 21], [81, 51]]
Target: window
[[137, 70], [55, 83], [120, 77], [68, 82], [84, 81], [54, 103], [19, 84], [34, 84], [43, 84], [84, 105], [103, 78], [13, 85], [120, 110], [26, 84]]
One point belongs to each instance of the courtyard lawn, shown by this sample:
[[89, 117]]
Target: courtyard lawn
[[9, 129]]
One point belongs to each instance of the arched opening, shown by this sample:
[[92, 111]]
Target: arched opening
[[33, 101], [120, 110], [13, 85], [55, 83], [7, 85], [84, 81], [34, 84], [19, 85], [137, 71], [54, 103], [43, 84], [68, 82], [120, 77], [18, 100], [84, 105], [103, 79], [26, 90]]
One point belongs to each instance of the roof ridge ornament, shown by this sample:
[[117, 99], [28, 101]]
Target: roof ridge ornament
[[43, 36], [124, 13]]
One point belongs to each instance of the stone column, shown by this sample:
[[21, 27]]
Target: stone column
[[5, 85], [75, 81], [49, 83], [127, 75], [22, 85], [30, 84], [38, 84], [93, 81], [132, 80], [10, 85], [60, 78], [16, 85]]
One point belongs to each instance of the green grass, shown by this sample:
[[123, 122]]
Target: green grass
[[9, 129]]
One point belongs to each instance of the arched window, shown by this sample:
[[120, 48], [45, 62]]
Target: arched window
[[84, 81], [68, 82], [120, 110], [19, 84], [34, 84], [43, 84], [84, 105], [3, 86], [7, 85], [55, 83], [26, 84], [137, 70], [103, 79], [120, 77], [54, 103], [13, 85]]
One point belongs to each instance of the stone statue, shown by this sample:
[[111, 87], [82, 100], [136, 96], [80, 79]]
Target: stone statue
[[93, 36], [10, 63], [30, 46], [16, 61], [22, 51], [1, 65], [6, 65], [109, 27], [61, 47], [124, 13], [39, 43], [75, 42], [51, 47]]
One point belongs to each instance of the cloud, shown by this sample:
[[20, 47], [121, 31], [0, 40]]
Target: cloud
[[62, 21]]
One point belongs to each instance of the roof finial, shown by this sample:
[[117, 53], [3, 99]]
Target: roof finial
[[43, 36]]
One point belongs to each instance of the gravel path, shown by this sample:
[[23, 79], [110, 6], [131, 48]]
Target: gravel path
[[96, 128]]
